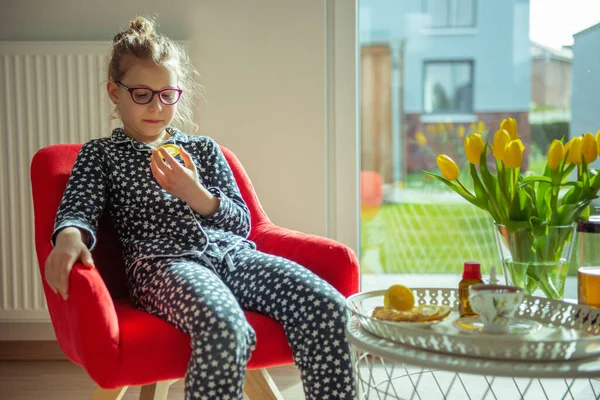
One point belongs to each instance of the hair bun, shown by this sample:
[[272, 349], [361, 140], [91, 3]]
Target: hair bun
[[142, 26], [138, 26]]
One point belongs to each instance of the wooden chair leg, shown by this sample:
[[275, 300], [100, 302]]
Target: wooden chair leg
[[109, 394], [156, 391], [260, 386]]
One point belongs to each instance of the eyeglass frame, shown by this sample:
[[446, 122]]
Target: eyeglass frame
[[154, 92]]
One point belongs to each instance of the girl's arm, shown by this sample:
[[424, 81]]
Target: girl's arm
[[232, 214], [83, 201]]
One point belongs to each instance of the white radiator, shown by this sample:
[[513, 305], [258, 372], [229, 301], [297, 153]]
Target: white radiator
[[50, 93]]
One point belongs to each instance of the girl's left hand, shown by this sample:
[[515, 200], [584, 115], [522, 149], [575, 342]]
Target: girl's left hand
[[180, 181]]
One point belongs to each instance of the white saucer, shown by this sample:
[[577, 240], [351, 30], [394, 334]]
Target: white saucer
[[516, 326]]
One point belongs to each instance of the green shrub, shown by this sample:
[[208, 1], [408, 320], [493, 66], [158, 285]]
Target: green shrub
[[543, 134]]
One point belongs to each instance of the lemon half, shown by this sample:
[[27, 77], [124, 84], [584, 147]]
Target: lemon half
[[171, 149], [399, 297]]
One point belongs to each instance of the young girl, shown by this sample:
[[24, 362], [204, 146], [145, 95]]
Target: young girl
[[184, 227]]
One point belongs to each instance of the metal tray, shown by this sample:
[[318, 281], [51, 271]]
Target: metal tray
[[568, 332]]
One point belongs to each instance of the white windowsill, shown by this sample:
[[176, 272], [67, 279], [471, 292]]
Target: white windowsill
[[452, 118]]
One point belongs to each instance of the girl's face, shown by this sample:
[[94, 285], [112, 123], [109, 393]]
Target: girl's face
[[144, 122]]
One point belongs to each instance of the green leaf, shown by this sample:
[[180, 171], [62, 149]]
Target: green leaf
[[538, 226], [595, 180], [573, 195], [515, 209], [490, 182], [531, 195], [568, 213], [458, 189], [567, 172], [585, 214], [514, 226], [480, 191], [543, 200], [502, 181], [548, 171], [535, 178]]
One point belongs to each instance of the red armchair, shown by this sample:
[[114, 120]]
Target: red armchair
[[120, 346]]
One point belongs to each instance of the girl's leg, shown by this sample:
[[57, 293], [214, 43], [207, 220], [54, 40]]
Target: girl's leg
[[194, 299], [311, 311]]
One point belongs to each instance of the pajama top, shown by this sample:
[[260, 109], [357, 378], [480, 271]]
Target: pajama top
[[114, 173]]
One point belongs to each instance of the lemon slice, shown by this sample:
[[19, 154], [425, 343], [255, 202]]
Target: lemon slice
[[427, 313], [399, 297], [171, 148]]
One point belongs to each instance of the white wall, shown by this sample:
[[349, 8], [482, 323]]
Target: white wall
[[263, 68]]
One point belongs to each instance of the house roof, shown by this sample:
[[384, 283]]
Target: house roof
[[539, 51], [588, 30]]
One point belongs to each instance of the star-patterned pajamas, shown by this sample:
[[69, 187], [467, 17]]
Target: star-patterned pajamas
[[200, 273]]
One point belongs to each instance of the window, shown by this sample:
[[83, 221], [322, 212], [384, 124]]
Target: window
[[448, 87], [450, 13]]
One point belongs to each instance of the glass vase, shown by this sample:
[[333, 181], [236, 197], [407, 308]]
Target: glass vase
[[537, 261]]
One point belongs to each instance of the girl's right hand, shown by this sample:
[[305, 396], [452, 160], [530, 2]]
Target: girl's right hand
[[68, 249]]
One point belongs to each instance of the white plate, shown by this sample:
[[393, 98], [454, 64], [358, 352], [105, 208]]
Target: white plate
[[516, 326]]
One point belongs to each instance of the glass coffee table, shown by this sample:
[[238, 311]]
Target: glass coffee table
[[389, 370]]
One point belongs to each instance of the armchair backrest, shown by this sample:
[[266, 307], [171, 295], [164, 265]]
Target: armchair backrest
[[50, 170]]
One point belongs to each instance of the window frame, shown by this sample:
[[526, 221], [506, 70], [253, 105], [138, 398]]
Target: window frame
[[471, 63], [452, 7]]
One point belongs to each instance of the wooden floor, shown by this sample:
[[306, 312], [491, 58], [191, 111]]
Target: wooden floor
[[63, 380]]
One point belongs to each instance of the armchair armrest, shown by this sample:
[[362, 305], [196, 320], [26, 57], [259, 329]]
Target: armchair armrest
[[331, 260], [86, 324]]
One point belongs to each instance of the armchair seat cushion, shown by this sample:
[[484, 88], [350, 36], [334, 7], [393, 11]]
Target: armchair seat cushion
[[152, 349]]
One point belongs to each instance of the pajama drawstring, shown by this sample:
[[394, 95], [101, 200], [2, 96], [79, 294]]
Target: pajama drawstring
[[229, 262], [208, 262]]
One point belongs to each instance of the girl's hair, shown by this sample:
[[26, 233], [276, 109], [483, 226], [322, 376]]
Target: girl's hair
[[141, 42]]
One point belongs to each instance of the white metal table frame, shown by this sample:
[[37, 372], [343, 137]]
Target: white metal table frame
[[369, 349]]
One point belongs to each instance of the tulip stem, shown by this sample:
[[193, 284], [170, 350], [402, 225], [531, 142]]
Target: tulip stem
[[465, 189], [513, 182]]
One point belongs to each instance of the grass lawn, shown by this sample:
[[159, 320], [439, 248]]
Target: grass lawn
[[414, 238], [429, 238]]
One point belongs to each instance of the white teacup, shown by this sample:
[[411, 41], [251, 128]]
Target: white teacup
[[495, 305]]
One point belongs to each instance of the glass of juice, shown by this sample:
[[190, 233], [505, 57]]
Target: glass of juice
[[588, 274], [588, 286]]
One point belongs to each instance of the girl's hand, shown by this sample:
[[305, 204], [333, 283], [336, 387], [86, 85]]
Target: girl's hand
[[180, 181], [69, 248]]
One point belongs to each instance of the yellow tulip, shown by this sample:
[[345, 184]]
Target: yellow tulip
[[510, 125], [431, 129], [448, 167], [441, 128], [421, 139], [574, 149], [598, 141], [556, 153], [460, 131], [474, 145], [501, 139], [589, 148], [513, 153]]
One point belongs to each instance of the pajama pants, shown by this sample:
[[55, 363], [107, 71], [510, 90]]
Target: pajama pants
[[205, 298]]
